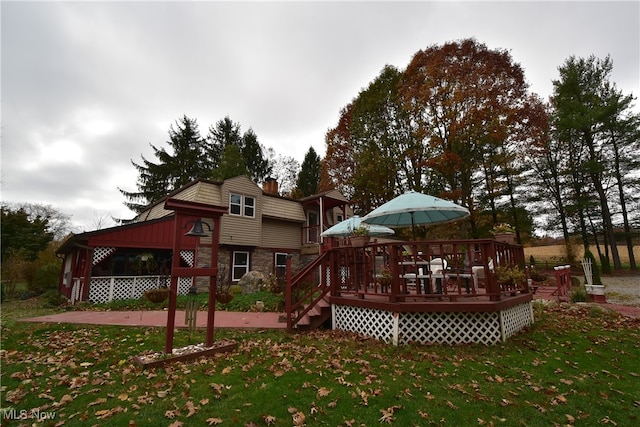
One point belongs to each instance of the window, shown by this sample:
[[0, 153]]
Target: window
[[235, 204], [242, 205], [339, 218], [240, 265], [280, 264], [249, 206]]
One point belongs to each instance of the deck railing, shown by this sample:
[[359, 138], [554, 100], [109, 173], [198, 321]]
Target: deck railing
[[402, 272]]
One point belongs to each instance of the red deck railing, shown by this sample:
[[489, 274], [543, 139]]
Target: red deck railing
[[422, 273]]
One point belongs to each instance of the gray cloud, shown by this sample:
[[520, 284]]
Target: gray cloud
[[86, 86]]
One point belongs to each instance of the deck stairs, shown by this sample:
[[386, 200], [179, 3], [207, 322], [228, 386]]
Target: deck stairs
[[317, 315]]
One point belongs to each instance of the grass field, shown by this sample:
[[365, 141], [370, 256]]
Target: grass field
[[574, 366], [557, 252]]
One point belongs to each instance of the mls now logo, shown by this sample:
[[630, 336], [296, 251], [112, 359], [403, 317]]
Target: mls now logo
[[23, 414]]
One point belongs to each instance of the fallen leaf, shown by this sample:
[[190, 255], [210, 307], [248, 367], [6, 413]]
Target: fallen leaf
[[214, 421], [191, 409], [269, 419], [298, 419], [98, 401], [322, 392]]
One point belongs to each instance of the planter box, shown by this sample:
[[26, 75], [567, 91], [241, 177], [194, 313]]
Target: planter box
[[159, 359], [596, 293]]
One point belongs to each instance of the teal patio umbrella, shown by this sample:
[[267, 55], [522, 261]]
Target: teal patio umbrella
[[344, 228], [413, 208]]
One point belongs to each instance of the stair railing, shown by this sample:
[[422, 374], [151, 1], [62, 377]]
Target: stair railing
[[306, 288]]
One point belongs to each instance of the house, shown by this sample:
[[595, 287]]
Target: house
[[259, 231]]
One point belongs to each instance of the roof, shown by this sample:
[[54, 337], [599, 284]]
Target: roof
[[154, 233]]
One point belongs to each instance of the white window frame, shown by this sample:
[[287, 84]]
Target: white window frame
[[242, 205], [275, 261], [234, 277], [232, 204]]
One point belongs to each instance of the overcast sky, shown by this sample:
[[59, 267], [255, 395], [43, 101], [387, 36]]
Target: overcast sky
[[87, 86]]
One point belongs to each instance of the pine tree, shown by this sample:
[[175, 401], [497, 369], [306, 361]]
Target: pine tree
[[226, 132], [185, 162], [309, 176]]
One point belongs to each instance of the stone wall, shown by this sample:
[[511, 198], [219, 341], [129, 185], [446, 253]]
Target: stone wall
[[261, 260]]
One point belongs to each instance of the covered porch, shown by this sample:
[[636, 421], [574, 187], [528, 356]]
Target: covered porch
[[453, 291]]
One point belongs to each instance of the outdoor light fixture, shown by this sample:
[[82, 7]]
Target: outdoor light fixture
[[196, 229]]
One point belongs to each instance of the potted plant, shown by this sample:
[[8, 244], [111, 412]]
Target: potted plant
[[359, 236], [504, 233], [510, 277]]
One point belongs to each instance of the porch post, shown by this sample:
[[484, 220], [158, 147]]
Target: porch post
[[88, 262], [213, 280], [287, 303], [173, 287]]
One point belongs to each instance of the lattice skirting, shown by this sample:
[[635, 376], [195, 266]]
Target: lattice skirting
[[445, 328], [106, 289]]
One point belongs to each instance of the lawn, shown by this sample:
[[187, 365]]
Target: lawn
[[576, 366]]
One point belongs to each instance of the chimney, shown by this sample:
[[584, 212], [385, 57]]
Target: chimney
[[270, 185]]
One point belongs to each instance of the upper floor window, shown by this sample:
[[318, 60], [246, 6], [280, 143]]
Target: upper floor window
[[242, 205]]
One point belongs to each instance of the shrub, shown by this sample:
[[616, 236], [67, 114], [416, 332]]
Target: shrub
[[46, 278], [597, 280], [53, 298], [536, 276], [578, 294], [235, 290], [606, 265]]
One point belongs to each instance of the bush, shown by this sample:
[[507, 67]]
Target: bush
[[235, 290], [597, 280], [606, 264], [46, 278], [578, 294], [536, 276], [53, 298]]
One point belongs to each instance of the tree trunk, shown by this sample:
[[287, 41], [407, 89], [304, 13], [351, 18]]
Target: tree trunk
[[604, 205], [623, 204]]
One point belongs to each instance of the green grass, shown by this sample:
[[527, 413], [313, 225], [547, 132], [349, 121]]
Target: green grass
[[575, 366]]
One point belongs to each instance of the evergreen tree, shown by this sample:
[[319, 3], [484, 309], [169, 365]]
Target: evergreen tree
[[588, 111], [309, 177], [21, 235], [226, 132], [185, 162], [230, 164]]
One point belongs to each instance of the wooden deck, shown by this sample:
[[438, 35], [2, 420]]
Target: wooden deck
[[388, 283]]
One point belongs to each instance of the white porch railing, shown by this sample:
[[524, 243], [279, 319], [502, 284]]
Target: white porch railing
[[109, 288]]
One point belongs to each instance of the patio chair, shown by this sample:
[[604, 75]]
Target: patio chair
[[437, 267], [478, 274]]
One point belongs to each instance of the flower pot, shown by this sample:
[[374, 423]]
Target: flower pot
[[509, 238], [224, 298], [157, 296], [359, 241]]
